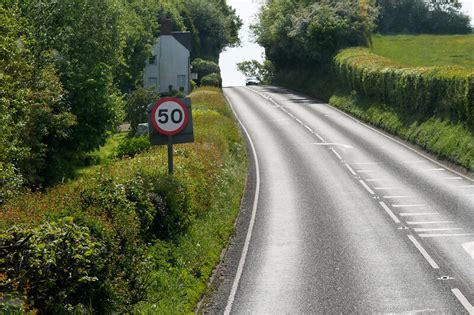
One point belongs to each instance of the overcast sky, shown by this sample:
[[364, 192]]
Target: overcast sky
[[247, 9]]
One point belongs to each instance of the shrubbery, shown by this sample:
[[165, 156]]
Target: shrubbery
[[204, 68], [446, 92], [130, 146], [213, 79], [102, 242]]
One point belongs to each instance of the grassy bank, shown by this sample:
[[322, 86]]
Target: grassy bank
[[427, 50], [448, 140], [429, 106], [151, 240]]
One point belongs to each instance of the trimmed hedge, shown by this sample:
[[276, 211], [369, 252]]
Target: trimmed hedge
[[445, 92]]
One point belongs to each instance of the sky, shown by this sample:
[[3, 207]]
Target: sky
[[247, 9]]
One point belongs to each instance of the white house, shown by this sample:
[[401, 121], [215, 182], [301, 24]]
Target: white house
[[169, 67]]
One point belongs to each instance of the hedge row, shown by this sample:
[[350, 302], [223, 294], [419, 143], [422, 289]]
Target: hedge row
[[445, 92], [91, 245]]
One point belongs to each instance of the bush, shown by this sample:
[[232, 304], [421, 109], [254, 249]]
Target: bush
[[56, 265], [146, 223], [203, 68], [213, 79], [136, 106], [446, 92], [131, 146]]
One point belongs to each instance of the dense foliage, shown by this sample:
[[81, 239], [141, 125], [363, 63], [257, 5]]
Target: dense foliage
[[422, 17], [217, 24], [126, 235], [310, 32], [203, 68], [66, 67], [446, 92], [263, 71]]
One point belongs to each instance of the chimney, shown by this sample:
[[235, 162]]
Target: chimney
[[166, 26]]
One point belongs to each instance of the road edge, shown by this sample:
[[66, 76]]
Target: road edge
[[223, 284]]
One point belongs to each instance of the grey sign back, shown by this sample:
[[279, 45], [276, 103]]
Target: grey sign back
[[186, 136]]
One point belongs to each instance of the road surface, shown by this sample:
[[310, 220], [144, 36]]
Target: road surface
[[343, 218]]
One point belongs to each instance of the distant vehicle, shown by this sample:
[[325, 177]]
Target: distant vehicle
[[252, 81]]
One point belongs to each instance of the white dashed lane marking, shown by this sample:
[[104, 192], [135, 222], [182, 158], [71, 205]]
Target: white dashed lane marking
[[423, 252], [428, 222]]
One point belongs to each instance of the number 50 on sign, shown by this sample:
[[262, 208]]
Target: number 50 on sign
[[169, 116]]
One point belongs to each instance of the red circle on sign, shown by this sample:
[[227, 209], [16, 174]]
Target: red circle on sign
[[156, 123]]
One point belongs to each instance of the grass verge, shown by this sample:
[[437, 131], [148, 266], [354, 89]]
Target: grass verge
[[151, 240], [451, 141]]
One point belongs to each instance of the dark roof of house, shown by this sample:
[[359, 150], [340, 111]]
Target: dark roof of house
[[184, 38]]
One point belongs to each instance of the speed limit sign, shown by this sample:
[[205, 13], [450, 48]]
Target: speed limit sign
[[169, 116]]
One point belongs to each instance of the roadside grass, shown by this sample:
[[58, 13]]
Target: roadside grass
[[108, 199], [427, 50], [103, 155], [449, 140]]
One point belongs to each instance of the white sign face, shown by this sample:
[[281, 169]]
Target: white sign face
[[169, 116]]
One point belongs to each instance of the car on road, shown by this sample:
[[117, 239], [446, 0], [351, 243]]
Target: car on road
[[252, 81]]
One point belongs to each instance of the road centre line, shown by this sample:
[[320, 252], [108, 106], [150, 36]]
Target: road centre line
[[366, 187], [445, 235], [378, 180], [333, 144], [399, 142], [423, 252], [245, 248], [435, 229], [337, 154], [398, 197], [408, 214], [462, 299], [389, 212], [433, 169], [427, 222], [350, 169]]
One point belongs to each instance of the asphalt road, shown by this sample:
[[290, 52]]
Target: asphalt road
[[342, 218]]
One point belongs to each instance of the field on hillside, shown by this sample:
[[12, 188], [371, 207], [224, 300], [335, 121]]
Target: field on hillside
[[427, 50]]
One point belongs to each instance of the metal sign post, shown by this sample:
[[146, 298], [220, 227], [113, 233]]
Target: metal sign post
[[170, 155], [170, 122]]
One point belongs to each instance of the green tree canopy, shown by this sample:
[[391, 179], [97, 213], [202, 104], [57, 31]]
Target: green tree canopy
[[420, 16], [310, 32]]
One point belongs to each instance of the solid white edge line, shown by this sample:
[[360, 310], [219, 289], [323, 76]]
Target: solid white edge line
[[423, 252], [245, 249], [462, 299], [367, 187], [389, 212], [400, 143]]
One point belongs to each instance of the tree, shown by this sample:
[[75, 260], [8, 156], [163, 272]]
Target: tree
[[33, 116], [83, 39], [420, 16], [217, 25], [136, 106], [309, 32], [262, 71]]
